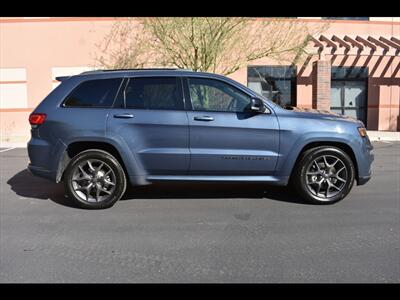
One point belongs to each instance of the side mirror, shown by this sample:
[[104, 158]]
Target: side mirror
[[257, 105]]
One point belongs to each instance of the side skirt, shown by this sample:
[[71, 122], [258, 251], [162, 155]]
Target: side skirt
[[267, 179]]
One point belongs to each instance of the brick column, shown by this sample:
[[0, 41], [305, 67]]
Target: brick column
[[321, 90]]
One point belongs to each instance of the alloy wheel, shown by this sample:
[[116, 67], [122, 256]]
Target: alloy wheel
[[326, 176], [93, 180]]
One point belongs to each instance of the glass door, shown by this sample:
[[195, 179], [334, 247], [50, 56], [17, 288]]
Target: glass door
[[349, 98]]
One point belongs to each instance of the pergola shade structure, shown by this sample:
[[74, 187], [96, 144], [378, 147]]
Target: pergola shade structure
[[381, 55], [356, 45]]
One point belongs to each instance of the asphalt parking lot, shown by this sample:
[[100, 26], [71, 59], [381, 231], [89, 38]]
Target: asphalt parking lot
[[200, 232]]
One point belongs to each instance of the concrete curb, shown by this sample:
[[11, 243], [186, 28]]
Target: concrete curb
[[384, 135], [12, 145]]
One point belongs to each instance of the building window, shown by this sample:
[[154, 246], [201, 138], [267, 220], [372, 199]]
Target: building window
[[277, 83], [346, 18]]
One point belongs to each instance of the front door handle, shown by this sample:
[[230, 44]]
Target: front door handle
[[123, 116], [204, 118]]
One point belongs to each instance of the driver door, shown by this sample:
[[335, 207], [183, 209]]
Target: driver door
[[225, 137]]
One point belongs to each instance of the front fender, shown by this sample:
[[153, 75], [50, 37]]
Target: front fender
[[292, 147]]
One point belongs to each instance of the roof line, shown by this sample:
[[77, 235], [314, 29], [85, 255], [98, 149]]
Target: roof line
[[138, 69]]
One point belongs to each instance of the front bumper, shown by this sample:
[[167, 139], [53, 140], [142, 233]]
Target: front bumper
[[365, 159]]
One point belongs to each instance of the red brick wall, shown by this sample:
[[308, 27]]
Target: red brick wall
[[321, 85]]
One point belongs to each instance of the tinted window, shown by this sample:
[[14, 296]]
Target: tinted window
[[215, 95], [153, 93], [94, 93]]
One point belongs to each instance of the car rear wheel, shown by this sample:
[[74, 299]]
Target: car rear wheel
[[324, 175], [95, 179]]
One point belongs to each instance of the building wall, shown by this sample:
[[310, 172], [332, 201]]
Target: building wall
[[33, 51]]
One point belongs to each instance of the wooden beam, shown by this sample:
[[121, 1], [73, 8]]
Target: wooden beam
[[328, 41], [390, 43], [393, 39], [317, 43], [379, 43], [366, 43], [353, 42], [341, 42]]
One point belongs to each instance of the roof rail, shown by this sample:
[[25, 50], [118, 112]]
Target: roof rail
[[138, 69]]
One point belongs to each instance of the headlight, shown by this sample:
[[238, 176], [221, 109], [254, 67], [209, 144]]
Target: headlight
[[362, 131]]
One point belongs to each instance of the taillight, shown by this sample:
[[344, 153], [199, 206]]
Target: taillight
[[37, 119]]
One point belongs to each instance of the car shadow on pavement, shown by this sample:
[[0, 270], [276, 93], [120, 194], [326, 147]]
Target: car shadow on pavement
[[26, 185], [215, 190]]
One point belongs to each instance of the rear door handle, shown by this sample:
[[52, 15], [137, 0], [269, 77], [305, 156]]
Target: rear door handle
[[123, 116], [204, 118]]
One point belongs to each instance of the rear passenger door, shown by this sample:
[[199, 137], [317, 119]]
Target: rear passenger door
[[149, 118]]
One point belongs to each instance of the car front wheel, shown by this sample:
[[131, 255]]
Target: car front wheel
[[324, 175], [94, 179]]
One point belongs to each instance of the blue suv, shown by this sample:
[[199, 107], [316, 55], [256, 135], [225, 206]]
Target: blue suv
[[99, 130]]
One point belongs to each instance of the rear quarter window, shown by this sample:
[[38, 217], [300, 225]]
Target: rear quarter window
[[94, 93]]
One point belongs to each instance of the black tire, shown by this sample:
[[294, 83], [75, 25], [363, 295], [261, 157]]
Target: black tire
[[97, 181], [310, 162]]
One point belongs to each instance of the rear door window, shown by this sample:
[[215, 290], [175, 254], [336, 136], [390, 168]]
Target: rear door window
[[94, 93], [154, 93]]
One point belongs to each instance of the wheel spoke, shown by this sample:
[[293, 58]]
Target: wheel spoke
[[340, 179], [333, 164], [80, 178], [97, 193], [340, 170], [83, 172], [91, 166], [109, 182], [331, 185], [326, 162], [318, 167], [104, 190], [313, 173], [99, 168], [319, 186]]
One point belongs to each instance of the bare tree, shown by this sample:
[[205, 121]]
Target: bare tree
[[214, 44]]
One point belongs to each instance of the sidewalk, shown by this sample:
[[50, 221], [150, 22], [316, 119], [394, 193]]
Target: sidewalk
[[384, 135], [373, 136]]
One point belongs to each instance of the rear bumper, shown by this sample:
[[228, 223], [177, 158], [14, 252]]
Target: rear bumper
[[43, 173], [44, 157]]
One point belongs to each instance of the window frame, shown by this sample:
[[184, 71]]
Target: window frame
[[178, 82], [85, 81], [188, 98]]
